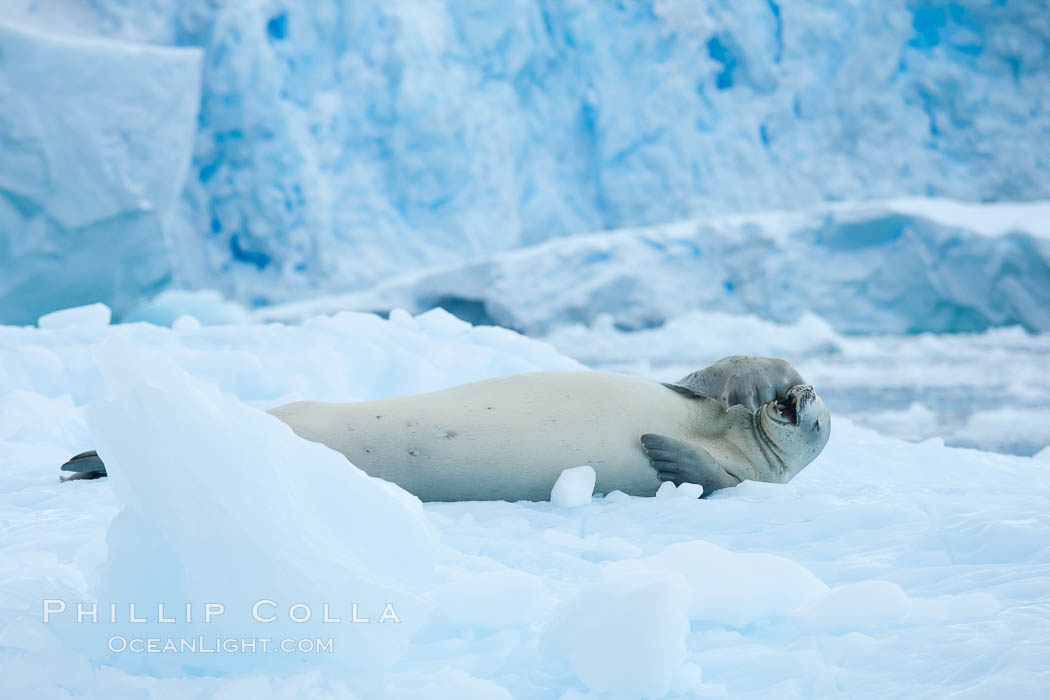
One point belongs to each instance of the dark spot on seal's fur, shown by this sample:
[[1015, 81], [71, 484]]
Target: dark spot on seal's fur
[[413, 452]]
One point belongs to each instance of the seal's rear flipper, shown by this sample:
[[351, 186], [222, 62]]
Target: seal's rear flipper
[[87, 465], [680, 462]]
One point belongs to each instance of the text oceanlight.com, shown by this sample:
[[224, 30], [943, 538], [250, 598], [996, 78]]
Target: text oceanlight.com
[[120, 644]]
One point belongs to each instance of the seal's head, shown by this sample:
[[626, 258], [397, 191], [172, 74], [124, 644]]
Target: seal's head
[[797, 427]]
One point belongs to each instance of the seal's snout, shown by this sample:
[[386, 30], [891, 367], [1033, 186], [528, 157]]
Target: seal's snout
[[798, 398]]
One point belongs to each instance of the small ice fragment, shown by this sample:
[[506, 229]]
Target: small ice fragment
[[691, 491], [207, 306], [685, 490], [574, 487], [185, 324], [400, 317], [91, 316]]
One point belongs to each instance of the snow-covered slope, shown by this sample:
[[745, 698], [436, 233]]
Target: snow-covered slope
[[885, 569], [94, 147], [341, 142], [891, 267]]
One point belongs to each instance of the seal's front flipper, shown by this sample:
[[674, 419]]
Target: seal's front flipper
[[87, 465], [680, 462]]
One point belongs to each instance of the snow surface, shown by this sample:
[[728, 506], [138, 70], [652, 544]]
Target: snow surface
[[895, 267], [340, 142], [885, 569], [94, 148]]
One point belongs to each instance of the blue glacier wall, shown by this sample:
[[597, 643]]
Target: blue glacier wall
[[341, 142]]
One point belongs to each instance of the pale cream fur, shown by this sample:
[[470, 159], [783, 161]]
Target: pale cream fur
[[510, 437]]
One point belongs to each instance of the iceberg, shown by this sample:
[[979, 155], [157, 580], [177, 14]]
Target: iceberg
[[95, 141], [226, 507]]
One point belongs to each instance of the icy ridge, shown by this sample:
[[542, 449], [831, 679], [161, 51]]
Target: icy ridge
[[889, 268]]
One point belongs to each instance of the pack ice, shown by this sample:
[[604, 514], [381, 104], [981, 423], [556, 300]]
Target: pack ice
[[886, 568]]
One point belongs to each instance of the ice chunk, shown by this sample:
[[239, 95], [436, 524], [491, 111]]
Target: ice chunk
[[574, 487], [683, 490], [858, 607], [690, 491], [90, 316], [666, 490], [186, 324], [95, 140], [731, 588], [223, 504], [206, 305], [625, 634]]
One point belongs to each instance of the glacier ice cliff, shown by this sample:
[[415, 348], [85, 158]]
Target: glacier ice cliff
[[95, 140], [900, 266], [341, 142]]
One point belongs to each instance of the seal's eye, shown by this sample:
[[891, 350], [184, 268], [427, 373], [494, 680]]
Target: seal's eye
[[816, 426]]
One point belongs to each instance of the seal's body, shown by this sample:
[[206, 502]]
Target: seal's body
[[509, 438], [506, 438]]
